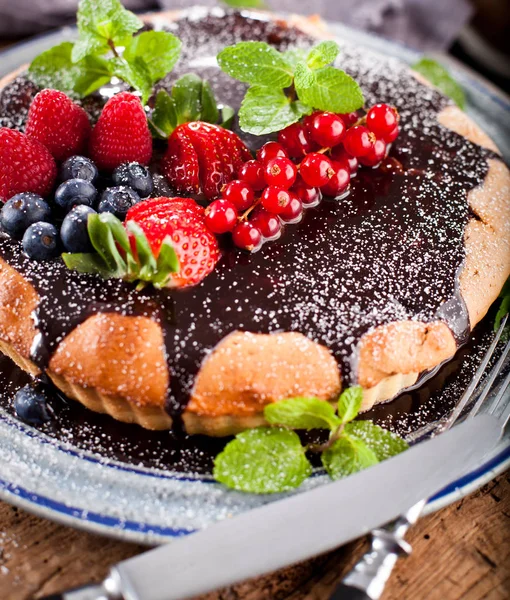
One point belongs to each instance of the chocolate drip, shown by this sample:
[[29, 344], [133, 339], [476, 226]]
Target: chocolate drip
[[391, 250]]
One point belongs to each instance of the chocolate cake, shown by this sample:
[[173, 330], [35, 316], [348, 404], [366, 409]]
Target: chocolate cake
[[375, 289]]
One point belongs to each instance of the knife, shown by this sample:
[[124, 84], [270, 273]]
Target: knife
[[296, 528]]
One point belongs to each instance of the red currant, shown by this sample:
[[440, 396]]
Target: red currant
[[247, 236], [316, 169], [327, 129], [340, 180], [375, 155], [221, 216], [382, 119], [239, 193], [295, 140], [275, 199], [358, 141], [349, 118], [280, 172], [293, 211], [309, 196], [269, 151], [340, 155], [268, 223], [392, 136], [253, 173]]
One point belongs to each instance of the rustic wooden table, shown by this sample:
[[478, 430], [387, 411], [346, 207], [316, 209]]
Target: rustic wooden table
[[461, 552]]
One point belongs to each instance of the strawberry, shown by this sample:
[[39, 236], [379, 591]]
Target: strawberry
[[182, 219], [121, 134], [58, 123], [25, 165], [201, 158]]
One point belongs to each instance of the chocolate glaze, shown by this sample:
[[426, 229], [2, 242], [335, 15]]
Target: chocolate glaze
[[390, 250]]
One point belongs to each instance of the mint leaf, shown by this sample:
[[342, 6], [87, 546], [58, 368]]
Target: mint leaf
[[323, 54], [382, 442], [263, 461], [349, 403], [266, 110], [304, 77], [246, 3], [439, 77], [136, 73], [333, 90], [302, 413], [504, 308], [348, 455], [102, 23], [159, 50], [256, 63], [164, 116], [95, 72]]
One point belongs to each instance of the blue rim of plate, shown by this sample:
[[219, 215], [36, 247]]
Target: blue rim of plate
[[143, 532]]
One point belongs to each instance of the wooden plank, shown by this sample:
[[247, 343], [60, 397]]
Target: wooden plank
[[462, 552]]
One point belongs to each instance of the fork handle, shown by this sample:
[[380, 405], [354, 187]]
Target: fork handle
[[369, 575]]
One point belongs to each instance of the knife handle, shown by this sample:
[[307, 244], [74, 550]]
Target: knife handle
[[368, 577]]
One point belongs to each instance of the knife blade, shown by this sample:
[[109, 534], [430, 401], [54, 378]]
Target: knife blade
[[304, 525]]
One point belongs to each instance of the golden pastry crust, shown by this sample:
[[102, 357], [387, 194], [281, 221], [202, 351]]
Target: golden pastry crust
[[117, 364]]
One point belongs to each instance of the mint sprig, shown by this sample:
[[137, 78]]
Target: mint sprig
[[107, 46], [438, 76], [285, 86], [115, 258], [504, 309], [272, 459]]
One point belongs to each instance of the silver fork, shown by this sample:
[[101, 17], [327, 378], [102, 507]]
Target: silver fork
[[367, 579]]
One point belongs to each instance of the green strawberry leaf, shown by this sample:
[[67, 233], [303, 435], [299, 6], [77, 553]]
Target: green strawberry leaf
[[164, 116], [103, 242], [136, 73], [209, 109], [148, 263], [167, 264], [322, 54], [256, 63], [349, 403], [159, 50], [333, 90], [86, 263], [382, 442], [227, 116], [302, 413], [504, 309], [187, 96], [346, 456], [102, 23], [263, 461], [439, 77], [266, 110]]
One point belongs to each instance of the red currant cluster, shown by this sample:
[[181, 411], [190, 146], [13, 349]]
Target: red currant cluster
[[314, 157]]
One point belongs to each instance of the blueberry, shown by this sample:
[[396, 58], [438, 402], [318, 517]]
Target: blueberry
[[40, 241], [73, 192], [21, 211], [30, 406], [74, 233], [79, 167], [134, 176], [118, 200]]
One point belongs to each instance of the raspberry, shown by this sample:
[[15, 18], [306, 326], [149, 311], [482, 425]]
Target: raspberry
[[359, 141], [269, 151], [25, 165], [58, 123], [269, 224], [121, 134], [295, 140], [239, 193], [253, 173], [275, 199], [339, 182], [221, 216], [382, 119], [293, 211], [376, 154], [247, 236], [183, 220], [280, 172], [316, 169], [327, 129], [201, 158]]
